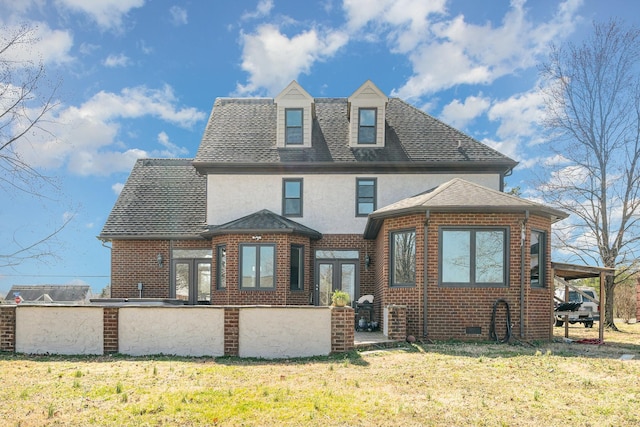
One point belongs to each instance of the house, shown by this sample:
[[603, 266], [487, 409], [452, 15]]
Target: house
[[64, 294], [290, 198]]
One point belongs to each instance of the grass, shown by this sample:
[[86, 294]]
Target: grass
[[441, 383]]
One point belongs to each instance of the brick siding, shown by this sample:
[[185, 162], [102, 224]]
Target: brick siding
[[135, 261], [7, 328], [342, 329], [465, 312], [110, 325], [396, 322], [231, 331]]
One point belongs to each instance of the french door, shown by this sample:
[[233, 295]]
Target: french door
[[192, 280], [334, 274]]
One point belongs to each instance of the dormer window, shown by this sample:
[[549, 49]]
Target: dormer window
[[366, 114], [367, 118], [293, 126], [295, 114]]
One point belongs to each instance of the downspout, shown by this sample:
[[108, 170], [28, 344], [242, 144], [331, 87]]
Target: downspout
[[425, 273], [523, 236]]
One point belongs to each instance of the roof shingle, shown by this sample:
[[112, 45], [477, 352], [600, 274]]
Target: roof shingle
[[162, 198], [243, 131], [459, 195]]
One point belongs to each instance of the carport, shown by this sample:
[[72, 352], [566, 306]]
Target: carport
[[568, 272]]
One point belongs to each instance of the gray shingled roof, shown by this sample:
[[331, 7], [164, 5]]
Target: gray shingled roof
[[263, 221], [243, 132], [163, 198], [459, 195], [54, 293]]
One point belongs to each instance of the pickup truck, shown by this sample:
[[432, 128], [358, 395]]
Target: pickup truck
[[587, 312]]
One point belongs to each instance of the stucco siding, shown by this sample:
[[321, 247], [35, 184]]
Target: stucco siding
[[59, 330], [270, 333], [329, 200], [180, 331]]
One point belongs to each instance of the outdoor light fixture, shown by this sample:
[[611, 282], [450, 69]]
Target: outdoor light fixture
[[367, 260], [160, 260]]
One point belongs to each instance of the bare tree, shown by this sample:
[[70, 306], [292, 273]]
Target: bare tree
[[593, 113], [26, 98]]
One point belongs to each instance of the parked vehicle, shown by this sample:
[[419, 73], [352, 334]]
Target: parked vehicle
[[587, 311]]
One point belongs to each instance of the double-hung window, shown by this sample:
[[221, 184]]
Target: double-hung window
[[365, 196], [257, 266], [536, 250], [292, 197], [367, 118], [293, 126], [473, 257], [403, 258], [296, 261]]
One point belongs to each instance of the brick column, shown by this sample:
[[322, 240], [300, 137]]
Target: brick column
[[8, 328], [231, 331], [110, 326], [395, 322], [342, 329]]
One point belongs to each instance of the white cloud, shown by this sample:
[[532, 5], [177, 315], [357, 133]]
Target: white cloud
[[457, 52], [459, 114], [263, 9], [85, 138], [108, 14], [508, 147], [117, 188], [519, 115], [88, 48], [178, 16], [171, 149], [140, 101], [115, 61], [273, 59], [405, 22], [40, 43]]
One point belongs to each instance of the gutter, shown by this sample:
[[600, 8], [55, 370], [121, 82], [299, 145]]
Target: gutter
[[523, 248]]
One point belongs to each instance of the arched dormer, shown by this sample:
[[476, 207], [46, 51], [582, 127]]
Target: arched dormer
[[295, 117], [367, 109]]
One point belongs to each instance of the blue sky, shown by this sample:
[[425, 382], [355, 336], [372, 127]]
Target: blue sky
[[138, 79]]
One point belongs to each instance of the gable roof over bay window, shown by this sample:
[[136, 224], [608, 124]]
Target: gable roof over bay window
[[459, 196]]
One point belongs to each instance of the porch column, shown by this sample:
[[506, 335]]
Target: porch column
[[343, 329]]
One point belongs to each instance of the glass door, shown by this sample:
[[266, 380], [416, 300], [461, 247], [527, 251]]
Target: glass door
[[192, 281], [332, 275]]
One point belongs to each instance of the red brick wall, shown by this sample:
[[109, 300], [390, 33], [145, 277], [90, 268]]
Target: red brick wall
[[342, 329], [135, 261], [7, 328], [110, 326], [352, 242], [451, 311], [397, 322], [410, 297], [282, 294], [231, 331]]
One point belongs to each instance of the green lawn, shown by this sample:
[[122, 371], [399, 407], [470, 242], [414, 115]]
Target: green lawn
[[424, 384]]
